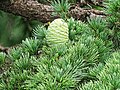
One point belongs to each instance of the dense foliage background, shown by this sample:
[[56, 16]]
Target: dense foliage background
[[74, 55]]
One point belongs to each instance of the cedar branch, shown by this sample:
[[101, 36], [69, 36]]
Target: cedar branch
[[33, 10]]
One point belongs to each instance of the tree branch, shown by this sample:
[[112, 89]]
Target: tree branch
[[31, 9], [3, 49]]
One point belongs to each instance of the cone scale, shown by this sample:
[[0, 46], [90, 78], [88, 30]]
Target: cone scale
[[57, 32]]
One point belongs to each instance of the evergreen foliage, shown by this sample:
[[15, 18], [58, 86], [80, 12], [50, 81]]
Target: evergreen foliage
[[113, 9], [108, 76], [88, 59], [2, 58], [62, 7]]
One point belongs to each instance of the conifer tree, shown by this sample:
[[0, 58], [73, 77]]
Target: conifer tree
[[60, 45]]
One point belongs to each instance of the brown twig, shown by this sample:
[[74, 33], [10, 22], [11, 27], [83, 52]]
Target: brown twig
[[4, 49]]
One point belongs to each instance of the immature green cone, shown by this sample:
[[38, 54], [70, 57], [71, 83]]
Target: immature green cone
[[57, 32]]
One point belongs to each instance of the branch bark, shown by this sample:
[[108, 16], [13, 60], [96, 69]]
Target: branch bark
[[31, 9], [3, 49]]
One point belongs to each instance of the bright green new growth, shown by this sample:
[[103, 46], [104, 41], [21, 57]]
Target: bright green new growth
[[57, 32]]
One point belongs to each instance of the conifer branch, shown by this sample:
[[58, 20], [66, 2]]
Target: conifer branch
[[29, 9], [32, 9], [3, 49]]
